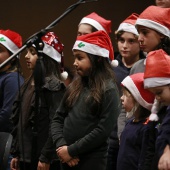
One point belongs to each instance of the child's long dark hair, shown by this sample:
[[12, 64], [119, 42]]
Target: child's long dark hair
[[51, 67], [100, 72], [165, 45]]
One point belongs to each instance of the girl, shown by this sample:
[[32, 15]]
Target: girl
[[88, 111], [134, 138], [93, 22], [157, 80], [153, 27], [10, 76], [32, 117]]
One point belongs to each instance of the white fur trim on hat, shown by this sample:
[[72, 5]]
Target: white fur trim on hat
[[4, 40], [129, 84], [51, 52], [153, 25], [128, 28], [156, 81], [92, 22], [91, 48]]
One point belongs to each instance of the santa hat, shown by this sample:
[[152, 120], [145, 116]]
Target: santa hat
[[96, 43], [11, 40], [134, 83], [157, 73], [54, 49], [155, 18], [157, 69], [97, 21], [128, 25]]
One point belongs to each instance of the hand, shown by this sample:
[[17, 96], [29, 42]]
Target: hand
[[73, 162], [63, 154], [164, 161], [43, 166], [14, 165]]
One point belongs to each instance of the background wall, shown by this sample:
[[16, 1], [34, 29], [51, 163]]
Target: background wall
[[29, 17]]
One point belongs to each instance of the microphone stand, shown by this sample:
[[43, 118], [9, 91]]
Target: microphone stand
[[35, 37]]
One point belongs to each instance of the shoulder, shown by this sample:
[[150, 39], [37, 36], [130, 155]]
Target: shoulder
[[110, 85], [12, 76], [52, 83]]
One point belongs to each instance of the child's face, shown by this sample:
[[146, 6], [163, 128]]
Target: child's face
[[4, 54], [128, 101], [84, 29], [162, 94], [163, 3], [148, 38], [128, 45], [31, 58], [82, 63]]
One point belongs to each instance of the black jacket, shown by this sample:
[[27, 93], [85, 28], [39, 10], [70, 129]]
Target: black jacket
[[50, 97]]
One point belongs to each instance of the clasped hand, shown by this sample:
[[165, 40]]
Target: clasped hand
[[64, 156]]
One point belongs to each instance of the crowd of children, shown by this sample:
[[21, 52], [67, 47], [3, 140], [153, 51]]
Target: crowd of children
[[112, 115]]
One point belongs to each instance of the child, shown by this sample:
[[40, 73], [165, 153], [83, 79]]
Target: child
[[134, 138], [10, 77], [129, 53], [93, 22], [128, 46], [89, 109], [157, 80], [31, 133], [153, 26]]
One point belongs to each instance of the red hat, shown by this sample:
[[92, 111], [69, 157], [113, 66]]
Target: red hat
[[157, 69], [96, 43], [97, 21], [54, 49], [155, 18], [53, 46], [128, 25], [134, 83], [11, 40], [157, 73]]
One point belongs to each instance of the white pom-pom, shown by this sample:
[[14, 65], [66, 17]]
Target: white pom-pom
[[64, 75], [154, 111], [114, 63], [153, 117]]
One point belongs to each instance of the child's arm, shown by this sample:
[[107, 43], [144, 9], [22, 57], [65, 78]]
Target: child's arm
[[164, 161], [64, 156]]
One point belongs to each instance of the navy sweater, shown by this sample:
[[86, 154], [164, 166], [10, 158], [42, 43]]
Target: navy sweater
[[133, 146], [9, 87]]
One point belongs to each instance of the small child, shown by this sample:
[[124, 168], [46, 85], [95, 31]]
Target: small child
[[89, 109], [93, 22], [134, 138], [157, 80]]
